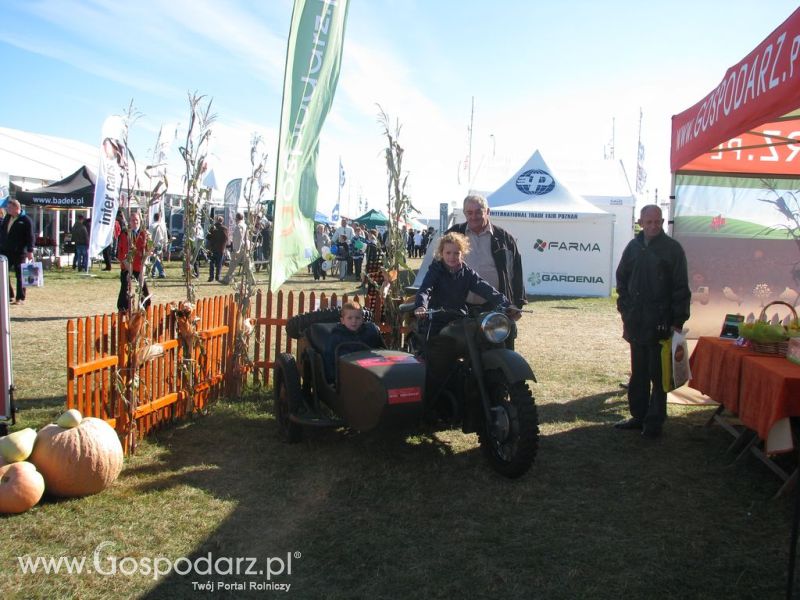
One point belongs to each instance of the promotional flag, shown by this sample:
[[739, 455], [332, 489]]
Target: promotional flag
[[313, 60], [113, 162], [341, 174], [231, 202], [641, 174], [335, 213]]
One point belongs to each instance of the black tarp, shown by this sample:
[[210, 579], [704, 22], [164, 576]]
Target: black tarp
[[75, 191]]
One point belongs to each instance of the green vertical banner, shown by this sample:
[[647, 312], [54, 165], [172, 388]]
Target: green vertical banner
[[313, 60]]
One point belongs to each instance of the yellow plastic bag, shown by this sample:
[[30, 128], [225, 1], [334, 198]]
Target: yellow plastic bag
[[666, 365]]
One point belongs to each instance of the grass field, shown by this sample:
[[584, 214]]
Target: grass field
[[602, 513]]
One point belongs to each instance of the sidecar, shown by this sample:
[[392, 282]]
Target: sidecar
[[373, 388]]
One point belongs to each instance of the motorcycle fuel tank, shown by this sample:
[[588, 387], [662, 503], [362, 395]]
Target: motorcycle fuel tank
[[380, 387]]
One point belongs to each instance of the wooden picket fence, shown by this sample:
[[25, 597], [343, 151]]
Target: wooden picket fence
[[96, 359], [97, 374]]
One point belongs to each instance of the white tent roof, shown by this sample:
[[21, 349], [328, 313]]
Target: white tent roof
[[598, 179], [31, 158], [534, 188]]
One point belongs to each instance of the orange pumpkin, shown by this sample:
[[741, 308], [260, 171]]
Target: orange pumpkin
[[79, 461], [21, 487]]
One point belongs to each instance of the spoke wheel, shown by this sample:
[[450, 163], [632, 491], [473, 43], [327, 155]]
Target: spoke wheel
[[510, 441]]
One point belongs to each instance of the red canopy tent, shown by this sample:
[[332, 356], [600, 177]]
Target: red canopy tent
[[735, 160]]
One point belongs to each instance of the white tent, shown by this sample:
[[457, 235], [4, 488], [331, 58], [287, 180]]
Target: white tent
[[565, 241], [604, 183]]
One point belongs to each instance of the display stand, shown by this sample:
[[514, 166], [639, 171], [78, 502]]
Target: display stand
[[6, 381]]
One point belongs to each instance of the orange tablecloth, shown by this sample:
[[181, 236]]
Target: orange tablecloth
[[770, 392], [716, 369], [761, 389]]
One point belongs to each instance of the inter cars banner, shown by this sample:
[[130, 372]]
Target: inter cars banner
[[313, 61], [113, 157], [760, 88]]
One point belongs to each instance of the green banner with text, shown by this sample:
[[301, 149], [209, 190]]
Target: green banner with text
[[313, 60]]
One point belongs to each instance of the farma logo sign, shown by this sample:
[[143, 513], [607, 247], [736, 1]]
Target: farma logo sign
[[535, 182], [542, 245]]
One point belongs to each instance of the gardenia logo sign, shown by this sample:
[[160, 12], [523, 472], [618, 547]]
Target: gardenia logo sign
[[542, 245], [535, 279], [535, 182]]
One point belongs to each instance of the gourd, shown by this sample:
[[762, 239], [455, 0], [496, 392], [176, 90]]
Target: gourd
[[17, 446], [80, 460], [21, 487]]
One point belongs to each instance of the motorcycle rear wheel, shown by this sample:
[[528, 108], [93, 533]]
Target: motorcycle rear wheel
[[511, 441], [287, 393]]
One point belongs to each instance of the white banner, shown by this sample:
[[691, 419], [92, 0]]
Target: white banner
[[563, 258], [233, 191], [109, 184], [4, 188]]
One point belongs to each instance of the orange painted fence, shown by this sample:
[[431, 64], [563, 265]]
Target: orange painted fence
[[165, 388], [97, 349]]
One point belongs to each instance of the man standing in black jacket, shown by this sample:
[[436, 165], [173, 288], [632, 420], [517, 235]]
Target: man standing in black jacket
[[16, 244], [654, 296], [493, 252]]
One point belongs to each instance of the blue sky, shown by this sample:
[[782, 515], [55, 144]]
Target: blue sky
[[544, 75]]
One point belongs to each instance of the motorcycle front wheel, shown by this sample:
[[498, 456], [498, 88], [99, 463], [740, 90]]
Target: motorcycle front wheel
[[510, 441]]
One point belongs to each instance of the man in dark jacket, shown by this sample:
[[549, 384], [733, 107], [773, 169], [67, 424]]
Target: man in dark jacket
[[80, 237], [16, 244], [654, 295], [216, 240], [493, 252]]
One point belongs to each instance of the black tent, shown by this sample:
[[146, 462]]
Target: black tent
[[75, 191]]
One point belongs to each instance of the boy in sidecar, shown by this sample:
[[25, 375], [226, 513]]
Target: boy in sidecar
[[350, 335]]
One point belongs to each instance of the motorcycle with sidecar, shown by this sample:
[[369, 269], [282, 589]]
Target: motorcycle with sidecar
[[486, 393]]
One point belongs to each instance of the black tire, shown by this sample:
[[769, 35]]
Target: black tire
[[287, 392], [297, 325], [510, 448]]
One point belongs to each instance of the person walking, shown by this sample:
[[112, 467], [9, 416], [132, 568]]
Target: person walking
[[131, 247], [321, 240], [16, 244], [653, 300], [240, 246], [216, 240], [80, 237], [347, 230], [158, 233]]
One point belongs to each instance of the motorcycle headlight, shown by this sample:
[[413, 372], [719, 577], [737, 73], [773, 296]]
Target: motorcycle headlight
[[496, 327]]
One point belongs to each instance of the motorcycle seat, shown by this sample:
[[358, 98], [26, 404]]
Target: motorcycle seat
[[318, 334]]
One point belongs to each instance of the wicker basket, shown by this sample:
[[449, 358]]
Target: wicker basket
[[778, 348]]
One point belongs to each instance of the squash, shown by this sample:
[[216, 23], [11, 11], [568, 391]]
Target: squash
[[70, 418], [21, 487], [17, 446], [79, 461]]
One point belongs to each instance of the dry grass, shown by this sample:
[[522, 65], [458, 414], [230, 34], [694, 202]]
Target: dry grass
[[602, 514]]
